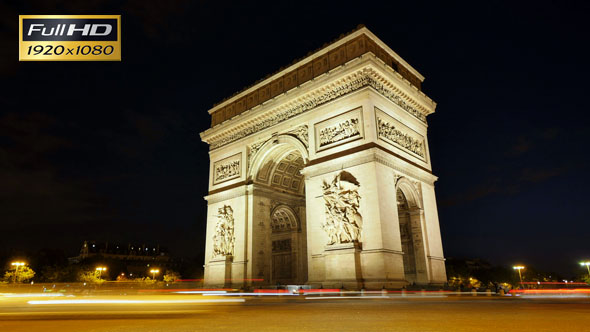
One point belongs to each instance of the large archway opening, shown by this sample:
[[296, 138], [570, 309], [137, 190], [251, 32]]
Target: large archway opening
[[276, 174]]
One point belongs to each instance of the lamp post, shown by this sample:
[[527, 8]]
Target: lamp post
[[153, 272], [100, 269], [518, 268], [587, 265], [16, 266]]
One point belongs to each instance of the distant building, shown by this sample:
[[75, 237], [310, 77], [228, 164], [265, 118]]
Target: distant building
[[125, 252], [129, 258]]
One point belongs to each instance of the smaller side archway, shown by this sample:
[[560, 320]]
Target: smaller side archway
[[286, 244], [410, 217]]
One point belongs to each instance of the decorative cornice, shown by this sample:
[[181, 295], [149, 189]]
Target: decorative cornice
[[373, 156], [387, 161], [226, 194], [382, 250], [365, 77], [269, 192]]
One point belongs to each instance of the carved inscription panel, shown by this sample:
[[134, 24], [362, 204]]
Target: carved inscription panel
[[227, 169], [394, 132], [338, 130]]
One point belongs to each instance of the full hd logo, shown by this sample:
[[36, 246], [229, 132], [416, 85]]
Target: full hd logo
[[70, 38]]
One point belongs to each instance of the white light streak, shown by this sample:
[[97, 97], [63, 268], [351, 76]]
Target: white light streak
[[44, 302], [202, 292], [31, 294]]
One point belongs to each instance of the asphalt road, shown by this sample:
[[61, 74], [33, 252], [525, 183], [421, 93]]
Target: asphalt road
[[188, 313]]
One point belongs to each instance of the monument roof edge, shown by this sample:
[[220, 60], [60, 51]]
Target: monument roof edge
[[359, 31]]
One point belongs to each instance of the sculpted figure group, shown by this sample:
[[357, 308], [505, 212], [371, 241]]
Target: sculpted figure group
[[343, 222], [340, 131], [228, 170], [389, 131], [224, 239]]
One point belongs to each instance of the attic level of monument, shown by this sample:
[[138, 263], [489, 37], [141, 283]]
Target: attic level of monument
[[347, 48]]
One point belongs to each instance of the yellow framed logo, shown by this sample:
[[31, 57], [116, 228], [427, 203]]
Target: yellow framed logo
[[69, 38]]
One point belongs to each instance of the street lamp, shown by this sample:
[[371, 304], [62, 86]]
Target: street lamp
[[16, 266], [100, 270], [587, 265], [519, 274], [153, 272]]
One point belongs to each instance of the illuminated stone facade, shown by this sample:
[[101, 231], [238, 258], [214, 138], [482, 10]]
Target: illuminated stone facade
[[325, 169]]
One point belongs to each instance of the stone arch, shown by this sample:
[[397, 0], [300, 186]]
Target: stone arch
[[411, 224], [275, 174], [274, 149], [410, 192], [278, 164], [287, 259], [283, 218]]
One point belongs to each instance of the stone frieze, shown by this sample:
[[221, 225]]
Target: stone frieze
[[227, 169], [390, 132], [340, 131], [352, 83]]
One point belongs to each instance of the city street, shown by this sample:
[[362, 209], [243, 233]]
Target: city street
[[294, 313]]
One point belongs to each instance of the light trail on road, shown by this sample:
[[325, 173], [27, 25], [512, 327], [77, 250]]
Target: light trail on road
[[45, 302]]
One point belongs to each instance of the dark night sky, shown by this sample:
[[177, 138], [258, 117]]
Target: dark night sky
[[111, 151]]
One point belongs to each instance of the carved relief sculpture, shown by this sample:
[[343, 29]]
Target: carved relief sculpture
[[224, 239], [390, 132], [252, 150], [302, 133], [343, 222], [227, 168], [340, 131]]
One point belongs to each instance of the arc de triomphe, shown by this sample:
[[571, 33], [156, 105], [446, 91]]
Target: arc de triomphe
[[321, 174]]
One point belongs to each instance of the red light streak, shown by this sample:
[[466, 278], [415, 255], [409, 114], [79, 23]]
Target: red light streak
[[552, 283], [551, 291]]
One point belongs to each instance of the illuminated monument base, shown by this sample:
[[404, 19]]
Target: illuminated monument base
[[321, 175]]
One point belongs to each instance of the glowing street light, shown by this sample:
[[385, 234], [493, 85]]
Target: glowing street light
[[518, 267], [153, 272], [100, 270], [587, 265], [16, 266]]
